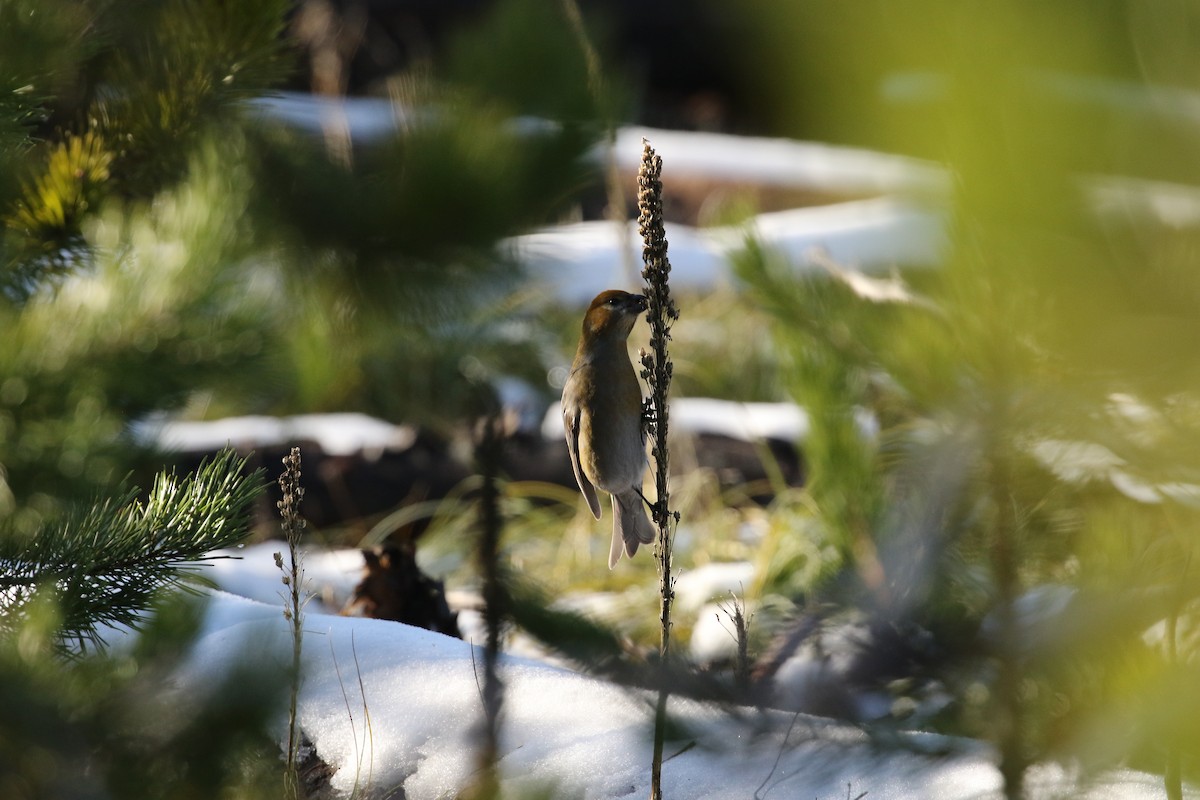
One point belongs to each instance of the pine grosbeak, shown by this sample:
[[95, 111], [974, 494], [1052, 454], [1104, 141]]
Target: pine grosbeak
[[602, 415]]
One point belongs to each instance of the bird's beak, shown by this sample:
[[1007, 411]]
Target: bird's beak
[[638, 301]]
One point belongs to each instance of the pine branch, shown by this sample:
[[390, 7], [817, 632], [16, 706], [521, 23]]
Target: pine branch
[[182, 68], [107, 563]]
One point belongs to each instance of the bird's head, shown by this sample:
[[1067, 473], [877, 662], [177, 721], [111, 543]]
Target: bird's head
[[612, 314]]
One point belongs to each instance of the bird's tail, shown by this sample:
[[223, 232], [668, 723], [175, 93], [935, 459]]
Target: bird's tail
[[631, 526]]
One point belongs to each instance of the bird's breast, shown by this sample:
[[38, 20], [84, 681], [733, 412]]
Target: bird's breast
[[612, 454]]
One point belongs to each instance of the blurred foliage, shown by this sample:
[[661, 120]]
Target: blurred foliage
[[1036, 402], [169, 247], [154, 312], [56, 201], [116, 725], [723, 349], [177, 70], [42, 48], [525, 56], [117, 96]]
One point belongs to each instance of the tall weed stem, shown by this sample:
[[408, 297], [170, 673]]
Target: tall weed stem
[[293, 579], [656, 370]]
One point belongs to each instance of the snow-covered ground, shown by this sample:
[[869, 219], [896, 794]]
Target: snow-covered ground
[[412, 724]]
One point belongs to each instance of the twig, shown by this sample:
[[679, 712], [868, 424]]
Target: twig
[[478, 682], [368, 726], [778, 756], [368, 731], [337, 669], [293, 578], [740, 633]]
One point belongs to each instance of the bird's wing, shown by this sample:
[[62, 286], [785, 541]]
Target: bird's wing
[[571, 424]]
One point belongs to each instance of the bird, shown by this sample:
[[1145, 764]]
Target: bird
[[602, 419]]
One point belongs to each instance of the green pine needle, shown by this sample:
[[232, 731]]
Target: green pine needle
[[106, 564]]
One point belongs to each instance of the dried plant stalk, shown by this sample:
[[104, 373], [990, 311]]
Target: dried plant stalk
[[656, 370], [293, 579]]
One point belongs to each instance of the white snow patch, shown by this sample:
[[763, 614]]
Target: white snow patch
[[250, 572], [696, 587], [573, 263], [779, 162], [714, 637], [747, 421], [337, 434]]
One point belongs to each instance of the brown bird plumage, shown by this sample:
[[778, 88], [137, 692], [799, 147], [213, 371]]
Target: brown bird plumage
[[602, 416]]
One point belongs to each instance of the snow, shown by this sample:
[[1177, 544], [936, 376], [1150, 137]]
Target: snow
[[746, 421], [749, 422], [573, 263], [365, 118], [779, 162], [695, 587], [393, 706], [337, 434], [713, 635], [582, 736], [251, 572]]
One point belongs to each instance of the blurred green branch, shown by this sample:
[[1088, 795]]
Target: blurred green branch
[[105, 565]]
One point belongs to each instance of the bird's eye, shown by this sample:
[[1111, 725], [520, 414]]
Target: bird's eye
[[612, 301]]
